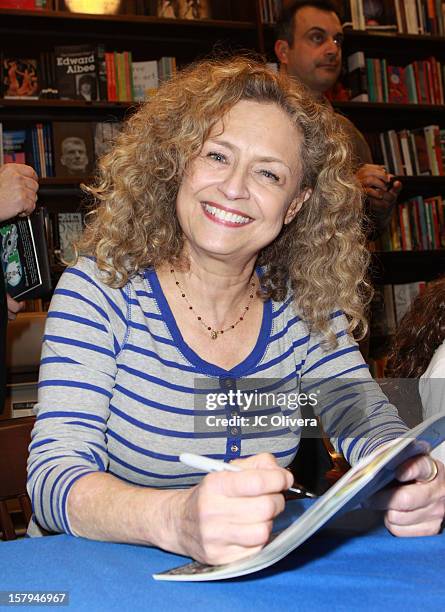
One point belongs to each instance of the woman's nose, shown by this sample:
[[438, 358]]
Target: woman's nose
[[234, 185]]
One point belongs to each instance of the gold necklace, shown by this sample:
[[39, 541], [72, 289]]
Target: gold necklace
[[214, 333]]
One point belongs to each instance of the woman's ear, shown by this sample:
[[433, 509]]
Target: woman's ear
[[296, 204]]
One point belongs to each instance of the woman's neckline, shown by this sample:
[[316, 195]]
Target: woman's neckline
[[201, 364]]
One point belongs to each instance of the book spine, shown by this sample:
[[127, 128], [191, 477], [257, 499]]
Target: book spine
[[371, 80], [378, 79], [436, 227], [429, 89], [432, 159], [400, 27], [403, 137], [41, 149], [384, 73], [420, 205], [102, 73], [413, 153], [396, 152], [110, 77], [130, 75]]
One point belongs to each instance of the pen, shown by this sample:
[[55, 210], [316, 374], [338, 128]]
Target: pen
[[205, 464]]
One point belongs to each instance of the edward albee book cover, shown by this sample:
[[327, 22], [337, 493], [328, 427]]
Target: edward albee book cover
[[77, 72]]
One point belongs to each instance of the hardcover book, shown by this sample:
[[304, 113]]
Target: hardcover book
[[77, 72], [24, 257], [73, 149]]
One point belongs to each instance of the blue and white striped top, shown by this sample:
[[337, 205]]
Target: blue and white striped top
[[120, 391]]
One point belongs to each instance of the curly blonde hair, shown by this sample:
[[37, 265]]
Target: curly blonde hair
[[133, 224]]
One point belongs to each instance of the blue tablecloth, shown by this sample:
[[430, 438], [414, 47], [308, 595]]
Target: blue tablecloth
[[337, 569]]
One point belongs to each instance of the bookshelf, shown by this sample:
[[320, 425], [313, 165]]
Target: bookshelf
[[25, 34], [400, 49], [235, 25]]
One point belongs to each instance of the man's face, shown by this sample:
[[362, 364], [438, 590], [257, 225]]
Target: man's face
[[74, 154], [315, 56]]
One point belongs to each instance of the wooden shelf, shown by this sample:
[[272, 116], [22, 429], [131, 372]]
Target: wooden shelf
[[57, 16], [57, 103], [378, 116], [378, 107], [392, 267], [427, 186]]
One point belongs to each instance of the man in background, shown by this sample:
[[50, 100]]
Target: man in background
[[308, 45], [309, 40], [18, 196]]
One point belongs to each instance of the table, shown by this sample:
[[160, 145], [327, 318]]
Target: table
[[352, 564]]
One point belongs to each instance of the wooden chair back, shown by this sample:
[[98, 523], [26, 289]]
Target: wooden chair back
[[15, 437]]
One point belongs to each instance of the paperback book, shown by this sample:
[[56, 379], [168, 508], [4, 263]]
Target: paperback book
[[77, 72], [20, 78], [360, 482]]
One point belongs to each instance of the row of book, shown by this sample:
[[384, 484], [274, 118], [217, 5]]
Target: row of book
[[402, 16], [61, 149], [270, 10], [374, 80], [83, 72], [416, 152], [416, 225]]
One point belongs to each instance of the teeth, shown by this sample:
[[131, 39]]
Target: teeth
[[225, 215]]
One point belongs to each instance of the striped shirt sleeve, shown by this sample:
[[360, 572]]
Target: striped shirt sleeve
[[78, 367], [353, 409]]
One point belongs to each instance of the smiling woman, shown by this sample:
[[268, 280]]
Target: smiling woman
[[224, 254]]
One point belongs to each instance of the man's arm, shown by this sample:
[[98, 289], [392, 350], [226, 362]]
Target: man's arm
[[380, 190], [18, 190], [18, 196]]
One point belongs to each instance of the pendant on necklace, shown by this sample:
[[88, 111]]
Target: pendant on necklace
[[213, 334]]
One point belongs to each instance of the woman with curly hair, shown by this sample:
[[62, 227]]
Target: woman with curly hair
[[223, 262], [419, 350]]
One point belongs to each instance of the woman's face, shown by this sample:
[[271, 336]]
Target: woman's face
[[236, 195]]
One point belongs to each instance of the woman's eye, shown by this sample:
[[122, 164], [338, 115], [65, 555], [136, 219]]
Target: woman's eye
[[270, 175], [219, 157]]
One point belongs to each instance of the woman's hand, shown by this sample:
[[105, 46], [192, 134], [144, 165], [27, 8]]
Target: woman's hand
[[229, 515], [417, 507]]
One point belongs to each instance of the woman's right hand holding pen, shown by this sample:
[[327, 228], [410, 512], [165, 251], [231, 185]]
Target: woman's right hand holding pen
[[229, 515]]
